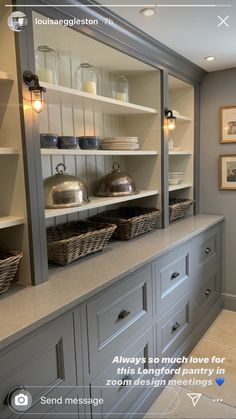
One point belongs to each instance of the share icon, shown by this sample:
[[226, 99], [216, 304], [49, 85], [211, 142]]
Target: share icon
[[195, 397]]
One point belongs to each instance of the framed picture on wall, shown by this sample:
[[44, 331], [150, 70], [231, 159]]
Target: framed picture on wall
[[227, 172], [228, 124]]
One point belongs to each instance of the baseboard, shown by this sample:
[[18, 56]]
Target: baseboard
[[229, 301]]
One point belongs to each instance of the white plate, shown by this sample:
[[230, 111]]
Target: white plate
[[120, 148], [174, 148], [120, 142], [119, 138]]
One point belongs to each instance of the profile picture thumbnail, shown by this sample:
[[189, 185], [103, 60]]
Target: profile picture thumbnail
[[17, 21]]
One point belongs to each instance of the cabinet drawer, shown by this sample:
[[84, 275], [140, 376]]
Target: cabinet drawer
[[175, 326], [208, 247], [119, 398], [44, 360], [173, 277], [117, 315], [209, 291]]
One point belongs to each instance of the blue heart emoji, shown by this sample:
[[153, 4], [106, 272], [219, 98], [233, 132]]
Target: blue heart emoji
[[219, 381]]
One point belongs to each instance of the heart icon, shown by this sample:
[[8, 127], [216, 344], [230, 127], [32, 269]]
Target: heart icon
[[219, 381]]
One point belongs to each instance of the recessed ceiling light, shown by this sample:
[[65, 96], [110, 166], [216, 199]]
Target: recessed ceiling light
[[210, 58], [147, 12]]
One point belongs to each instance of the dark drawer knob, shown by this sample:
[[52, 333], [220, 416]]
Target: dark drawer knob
[[207, 292], [124, 381], [208, 250], [174, 275], [123, 314], [175, 327]]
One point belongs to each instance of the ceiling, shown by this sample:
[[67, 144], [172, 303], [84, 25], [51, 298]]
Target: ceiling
[[191, 31]]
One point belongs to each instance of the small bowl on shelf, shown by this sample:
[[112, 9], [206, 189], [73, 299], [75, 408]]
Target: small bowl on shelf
[[48, 140], [67, 142], [89, 142], [174, 181]]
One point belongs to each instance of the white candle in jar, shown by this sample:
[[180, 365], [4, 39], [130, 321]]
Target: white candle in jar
[[45, 74], [121, 96], [90, 86]]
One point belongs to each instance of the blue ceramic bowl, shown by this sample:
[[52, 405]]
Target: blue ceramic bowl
[[67, 142], [48, 140], [88, 142]]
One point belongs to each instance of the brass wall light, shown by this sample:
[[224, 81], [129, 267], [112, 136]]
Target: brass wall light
[[36, 91], [170, 119]]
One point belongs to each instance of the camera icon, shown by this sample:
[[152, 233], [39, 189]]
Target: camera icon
[[21, 400]]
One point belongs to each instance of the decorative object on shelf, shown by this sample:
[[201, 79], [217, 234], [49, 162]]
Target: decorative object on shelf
[[67, 142], [116, 183], [47, 64], [63, 190], [36, 91], [178, 208], [175, 113], [120, 143], [86, 78], [120, 88], [48, 140], [130, 221], [171, 143], [170, 119], [88, 142], [228, 124], [9, 262], [227, 172], [174, 178], [70, 241]]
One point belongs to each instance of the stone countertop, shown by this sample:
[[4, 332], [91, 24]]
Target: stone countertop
[[31, 307]]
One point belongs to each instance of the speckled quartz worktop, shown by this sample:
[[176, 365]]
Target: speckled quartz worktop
[[33, 306]]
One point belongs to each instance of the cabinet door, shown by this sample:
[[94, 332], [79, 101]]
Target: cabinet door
[[209, 288], [117, 315], [173, 274], [42, 364], [208, 248]]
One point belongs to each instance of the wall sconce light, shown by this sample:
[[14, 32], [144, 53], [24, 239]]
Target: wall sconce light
[[36, 91], [170, 119]]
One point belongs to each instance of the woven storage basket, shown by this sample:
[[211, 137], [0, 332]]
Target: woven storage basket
[[178, 208], [130, 221], [75, 239], [9, 262]]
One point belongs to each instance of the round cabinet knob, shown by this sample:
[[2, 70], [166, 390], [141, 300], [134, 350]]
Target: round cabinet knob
[[19, 399], [208, 250], [207, 292]]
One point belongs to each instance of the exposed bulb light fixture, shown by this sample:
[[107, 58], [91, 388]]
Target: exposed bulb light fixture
[[170, 119], [210, 58], [148, 11], [36, 91]]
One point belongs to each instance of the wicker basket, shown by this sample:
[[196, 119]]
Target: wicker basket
[[130, 222], [75, 239], [178, 208], [9, 262]]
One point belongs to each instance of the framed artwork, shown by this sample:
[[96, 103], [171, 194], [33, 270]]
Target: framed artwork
[[228, 124], [227, 172]]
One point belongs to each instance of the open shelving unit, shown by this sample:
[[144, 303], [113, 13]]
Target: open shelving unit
[[4, 76], [180, 186], [11, 221], [78, 152]]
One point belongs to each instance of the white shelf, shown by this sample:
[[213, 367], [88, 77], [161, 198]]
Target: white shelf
[[180, 153], [11, 221], [97, 202], [6, 76], [57, 152], [60, 94], [179, 186], [182, 118], [9, 150]]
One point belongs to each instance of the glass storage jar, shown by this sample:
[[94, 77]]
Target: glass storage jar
[[86, 78], [47, 64], [120, 88]]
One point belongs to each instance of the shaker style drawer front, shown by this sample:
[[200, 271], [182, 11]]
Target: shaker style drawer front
[[114, 384], [208, 247], [45, 360], [175, 326], [209, 292], [173, 277], [117, 315]]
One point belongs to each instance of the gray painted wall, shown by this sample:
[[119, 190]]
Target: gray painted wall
[[218, 89]]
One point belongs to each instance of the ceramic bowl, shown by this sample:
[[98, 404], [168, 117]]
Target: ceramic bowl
[[88, 142], [66, 142], [48, 140]]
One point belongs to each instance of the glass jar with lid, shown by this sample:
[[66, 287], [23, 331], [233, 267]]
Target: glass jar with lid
[[86, 78], [47, 64], [120, 88]]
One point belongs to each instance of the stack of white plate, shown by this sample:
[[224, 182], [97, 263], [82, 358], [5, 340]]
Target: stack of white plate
[[120, 143], [175, 177]]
